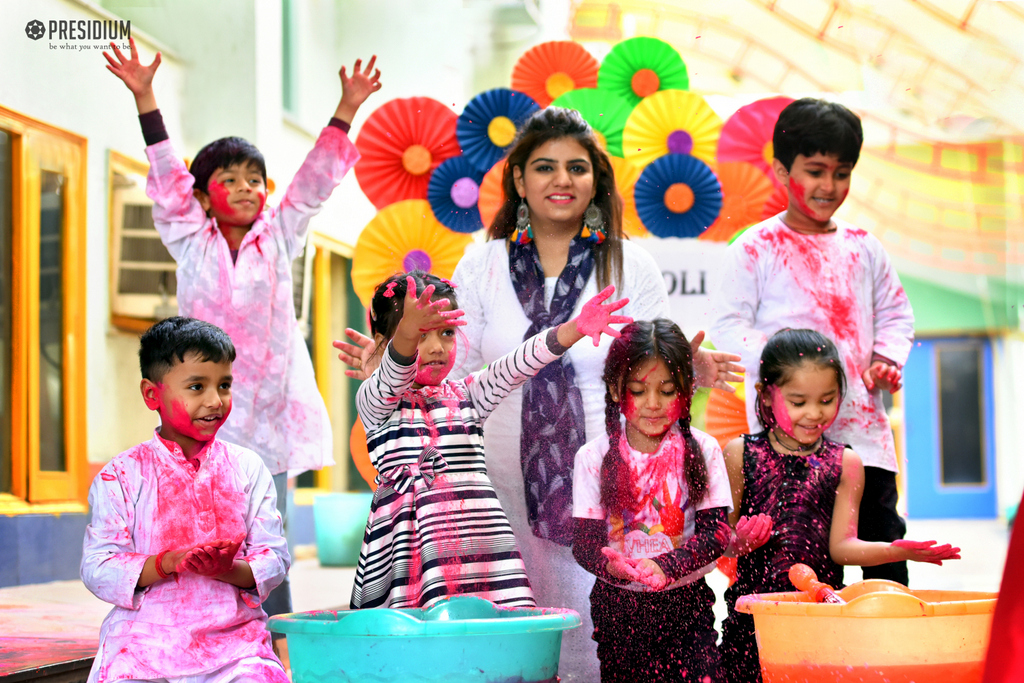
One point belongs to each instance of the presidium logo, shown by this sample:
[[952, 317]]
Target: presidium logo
[[81, 29]]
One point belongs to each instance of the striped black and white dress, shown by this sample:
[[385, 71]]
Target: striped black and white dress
[[436, 528]]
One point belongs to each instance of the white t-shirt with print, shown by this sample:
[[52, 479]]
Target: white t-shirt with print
[[665, 517]]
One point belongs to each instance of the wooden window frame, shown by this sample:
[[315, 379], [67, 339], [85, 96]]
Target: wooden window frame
[[38, 147]]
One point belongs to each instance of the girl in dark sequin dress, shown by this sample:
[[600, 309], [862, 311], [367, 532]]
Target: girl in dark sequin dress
[[796, 494]]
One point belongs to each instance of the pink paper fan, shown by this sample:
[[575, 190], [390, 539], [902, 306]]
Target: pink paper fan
[[747, 135]]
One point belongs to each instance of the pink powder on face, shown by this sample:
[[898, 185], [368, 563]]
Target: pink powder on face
[[779, 411], [674, 410], [432, 375], [219, 199], [799, 196]]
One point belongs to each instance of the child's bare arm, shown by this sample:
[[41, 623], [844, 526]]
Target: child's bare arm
[[844, 545], [136, 76], [356, 88]]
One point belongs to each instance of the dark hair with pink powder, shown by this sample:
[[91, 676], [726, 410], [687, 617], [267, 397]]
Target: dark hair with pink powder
[[639, 342], [784, 353], [169, 341], [224, 153]]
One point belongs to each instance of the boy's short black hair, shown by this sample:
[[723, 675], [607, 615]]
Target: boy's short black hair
[[810, 126], [171, 339], [222, 154]]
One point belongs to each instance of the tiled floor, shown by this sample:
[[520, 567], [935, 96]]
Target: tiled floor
[[66, 611]]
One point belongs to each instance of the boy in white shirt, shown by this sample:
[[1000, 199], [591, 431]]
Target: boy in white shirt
[[804, 269]]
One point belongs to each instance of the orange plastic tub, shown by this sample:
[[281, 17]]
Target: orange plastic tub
[[885, 633]]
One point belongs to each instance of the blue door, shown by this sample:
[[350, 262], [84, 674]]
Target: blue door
[[950, 431]]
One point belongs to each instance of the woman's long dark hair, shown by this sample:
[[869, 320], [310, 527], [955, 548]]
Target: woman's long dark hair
[[554, 123], [786, 351], [639, 342]]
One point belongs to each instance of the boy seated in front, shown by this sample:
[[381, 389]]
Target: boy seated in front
[[185, 539]]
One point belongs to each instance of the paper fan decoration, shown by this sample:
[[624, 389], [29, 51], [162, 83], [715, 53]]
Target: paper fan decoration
[[677, 196], [402, 237], [605, 112], [639, 67], [453, 194], [551, 69], [400, 143], [626, 175], [489, 123], [361, 454], [725, 417], [492, 196], [747, 135], [777, 202], [671, 122], [744, 193]]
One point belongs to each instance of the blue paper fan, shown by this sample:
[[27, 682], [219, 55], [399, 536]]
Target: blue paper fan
[[453, 194], [678, 195], [489, 123]]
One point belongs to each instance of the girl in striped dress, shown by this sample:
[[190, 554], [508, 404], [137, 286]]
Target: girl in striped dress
[[436, 528]]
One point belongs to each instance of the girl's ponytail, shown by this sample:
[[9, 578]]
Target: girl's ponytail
[[617, 482]]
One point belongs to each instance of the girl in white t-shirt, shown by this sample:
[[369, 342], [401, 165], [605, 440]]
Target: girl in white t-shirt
[[650, 500]]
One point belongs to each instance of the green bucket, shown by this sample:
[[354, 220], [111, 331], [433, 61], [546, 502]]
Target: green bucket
[[340, 520]]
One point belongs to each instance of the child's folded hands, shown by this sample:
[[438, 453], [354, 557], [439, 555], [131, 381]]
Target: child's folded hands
[[212, 559]]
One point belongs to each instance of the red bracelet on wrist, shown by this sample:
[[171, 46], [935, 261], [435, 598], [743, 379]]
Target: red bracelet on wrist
[[159, 565]]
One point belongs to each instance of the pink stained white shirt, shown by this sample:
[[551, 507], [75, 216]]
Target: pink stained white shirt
[[841, 284], [277, 410], [150, 499], [650, 530]]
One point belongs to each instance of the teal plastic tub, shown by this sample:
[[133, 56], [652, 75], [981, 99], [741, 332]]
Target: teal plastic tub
[[340, 520], [459, 639]]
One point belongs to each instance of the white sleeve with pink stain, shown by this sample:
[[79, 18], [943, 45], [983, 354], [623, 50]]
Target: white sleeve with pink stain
[[265, 549], [110, 566], [177, 214], [486, 388], [325, 165], [894, 318], [586, 480], [719, 493], [735, 306]]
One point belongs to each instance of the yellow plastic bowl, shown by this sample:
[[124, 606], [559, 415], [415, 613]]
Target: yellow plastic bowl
[[884, 633]]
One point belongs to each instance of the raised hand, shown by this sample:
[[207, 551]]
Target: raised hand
[[423, 315], [714, 368], [596, 316], [925, 551], [620, 566], [356, 355], [752, 533], [356, 88], [883, 375], [136, 76]]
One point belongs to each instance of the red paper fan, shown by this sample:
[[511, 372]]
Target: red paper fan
[[747, 135], [776, 204], [400, 144], [554, 68], [491, 194], [725, 417], [744, 193]]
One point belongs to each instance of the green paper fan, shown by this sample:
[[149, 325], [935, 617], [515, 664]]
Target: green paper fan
[[642, 66], [604, 111]]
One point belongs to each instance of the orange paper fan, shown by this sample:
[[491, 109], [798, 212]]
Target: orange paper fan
[[776, 204], [361, 455], [491, 194], [626, 175], [745, 189], [554, 68], [726, 416], [400, 144], [402, 237]]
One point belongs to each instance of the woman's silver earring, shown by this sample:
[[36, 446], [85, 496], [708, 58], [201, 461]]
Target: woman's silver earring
[[524, 231], [593, 224]]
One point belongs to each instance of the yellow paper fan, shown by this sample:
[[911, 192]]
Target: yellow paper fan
[[626, 175], [404, 236], [671, 121]]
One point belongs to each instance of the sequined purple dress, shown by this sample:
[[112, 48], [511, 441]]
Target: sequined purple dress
[[799, 493]]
